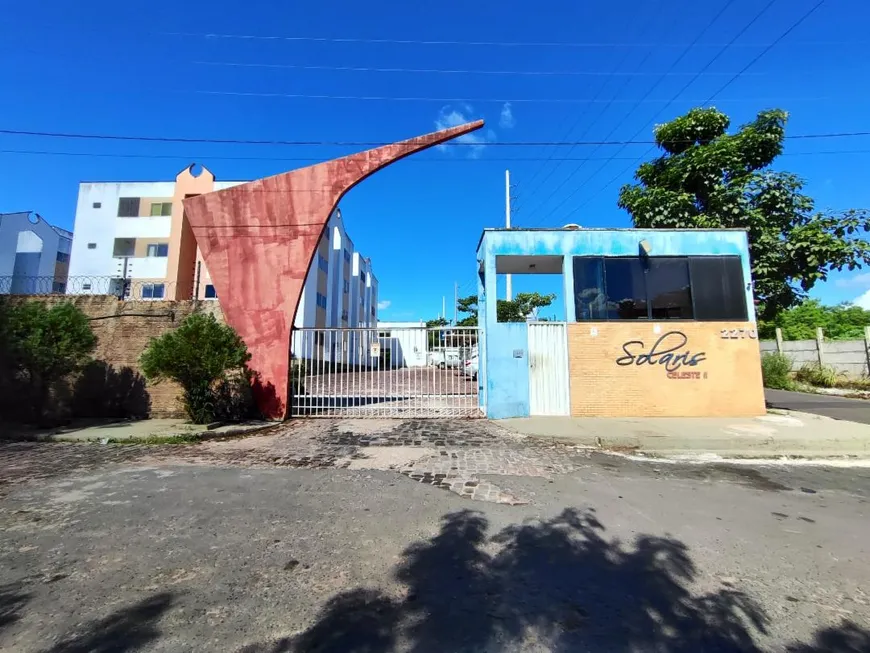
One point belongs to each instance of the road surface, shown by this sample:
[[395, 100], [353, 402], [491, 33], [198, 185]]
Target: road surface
[[853, 410], [286, 542]]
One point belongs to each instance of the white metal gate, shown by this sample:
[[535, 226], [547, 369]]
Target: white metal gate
[[548, 369], [392, 372]]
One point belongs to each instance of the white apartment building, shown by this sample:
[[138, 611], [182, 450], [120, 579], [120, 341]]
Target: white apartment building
[[133, 238], [34, 255]]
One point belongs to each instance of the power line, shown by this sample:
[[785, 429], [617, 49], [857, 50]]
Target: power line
[[682, 56], [415, 159], [536, 44], [239, 141], [582, 115], [779, 39], [752, 62], [554, 73], [482, 100]]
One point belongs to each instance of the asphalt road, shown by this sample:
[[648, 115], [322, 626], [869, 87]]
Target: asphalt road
[[853, 410], [615, 556]]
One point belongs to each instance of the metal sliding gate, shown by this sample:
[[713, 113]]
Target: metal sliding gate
[[548, 369], [391, 372]]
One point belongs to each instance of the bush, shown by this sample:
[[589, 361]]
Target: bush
[[40, 346], [776, 371], [821, 376], [210, 362]]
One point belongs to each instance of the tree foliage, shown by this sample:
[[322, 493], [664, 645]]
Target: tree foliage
[[709, 179], [41, 345], [516, 310], [841, 322], [209, 361]]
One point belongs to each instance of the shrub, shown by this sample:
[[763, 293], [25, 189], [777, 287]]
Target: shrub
[[39, 346], [210, 362], [822, 376], [775, 370]]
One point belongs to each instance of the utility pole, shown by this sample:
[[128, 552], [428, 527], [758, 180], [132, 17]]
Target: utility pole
[[444, 307], [507, 221], [455, 302]]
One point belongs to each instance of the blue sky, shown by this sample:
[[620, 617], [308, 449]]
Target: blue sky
[[150, 69]]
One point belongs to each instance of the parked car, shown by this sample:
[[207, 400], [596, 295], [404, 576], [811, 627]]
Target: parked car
[[470, 368], [445, 358]]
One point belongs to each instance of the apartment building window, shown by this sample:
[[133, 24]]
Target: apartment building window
[[58, 287], [153, 291], [321, 301], [128, 207], [210, 292], [86, 286], [362, 276], [346, 256], [62, 257], [373, 311], [322, 263], [161, 208], [344, 315], [92, 246], [346, 286], [97, 205], [160, 250]]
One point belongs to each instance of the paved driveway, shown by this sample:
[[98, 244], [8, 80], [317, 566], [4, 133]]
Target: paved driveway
[[853, 410]]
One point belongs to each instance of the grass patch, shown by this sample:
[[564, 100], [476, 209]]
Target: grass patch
[[776, 371], [184, 438]]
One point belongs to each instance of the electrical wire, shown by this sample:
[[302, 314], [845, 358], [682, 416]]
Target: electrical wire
[[778, 40], [680, 58], [238, 141], [533, 73]]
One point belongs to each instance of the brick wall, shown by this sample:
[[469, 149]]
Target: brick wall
[[725, 380], [123, 330]]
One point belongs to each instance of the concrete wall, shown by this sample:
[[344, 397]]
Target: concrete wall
[[611, 377], [124, 329], [849, 357]]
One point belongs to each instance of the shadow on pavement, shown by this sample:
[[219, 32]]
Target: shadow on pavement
[[560, 580], [127, 629], [12, 600]]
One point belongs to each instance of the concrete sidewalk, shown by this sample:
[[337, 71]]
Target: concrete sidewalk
[[773, 435], [132, 430]]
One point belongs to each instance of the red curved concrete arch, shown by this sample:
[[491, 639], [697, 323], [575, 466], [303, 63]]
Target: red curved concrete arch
[[258, 240]]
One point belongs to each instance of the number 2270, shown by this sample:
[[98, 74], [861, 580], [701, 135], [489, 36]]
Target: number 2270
[[735, 334]]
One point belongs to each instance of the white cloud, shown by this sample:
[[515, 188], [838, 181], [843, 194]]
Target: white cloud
[[451, 117], [855, 281], [506, 120], [384, 305], [863, 300]]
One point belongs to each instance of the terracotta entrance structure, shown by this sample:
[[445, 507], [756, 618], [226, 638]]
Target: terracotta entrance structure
[[258, 241]]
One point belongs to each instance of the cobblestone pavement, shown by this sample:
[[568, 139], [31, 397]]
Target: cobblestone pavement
[[449, 454]]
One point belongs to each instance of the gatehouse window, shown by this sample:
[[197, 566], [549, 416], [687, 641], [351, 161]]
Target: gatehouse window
[[703, 288]]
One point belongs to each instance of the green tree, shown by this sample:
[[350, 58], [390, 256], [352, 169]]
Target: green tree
[[41, 346], [434, 336], [209, 361], [841, 322], [709, 179], [516, 310]]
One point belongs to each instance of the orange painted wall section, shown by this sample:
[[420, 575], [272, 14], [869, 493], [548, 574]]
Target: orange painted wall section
[[660, 369], [258, 240]]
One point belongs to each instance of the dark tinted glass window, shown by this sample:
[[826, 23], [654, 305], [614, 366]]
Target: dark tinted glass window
[[668, 289], [590, 298], [626, 289], [128, 207], [718, 288]]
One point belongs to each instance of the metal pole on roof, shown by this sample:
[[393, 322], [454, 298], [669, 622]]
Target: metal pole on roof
[[507, 220]]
